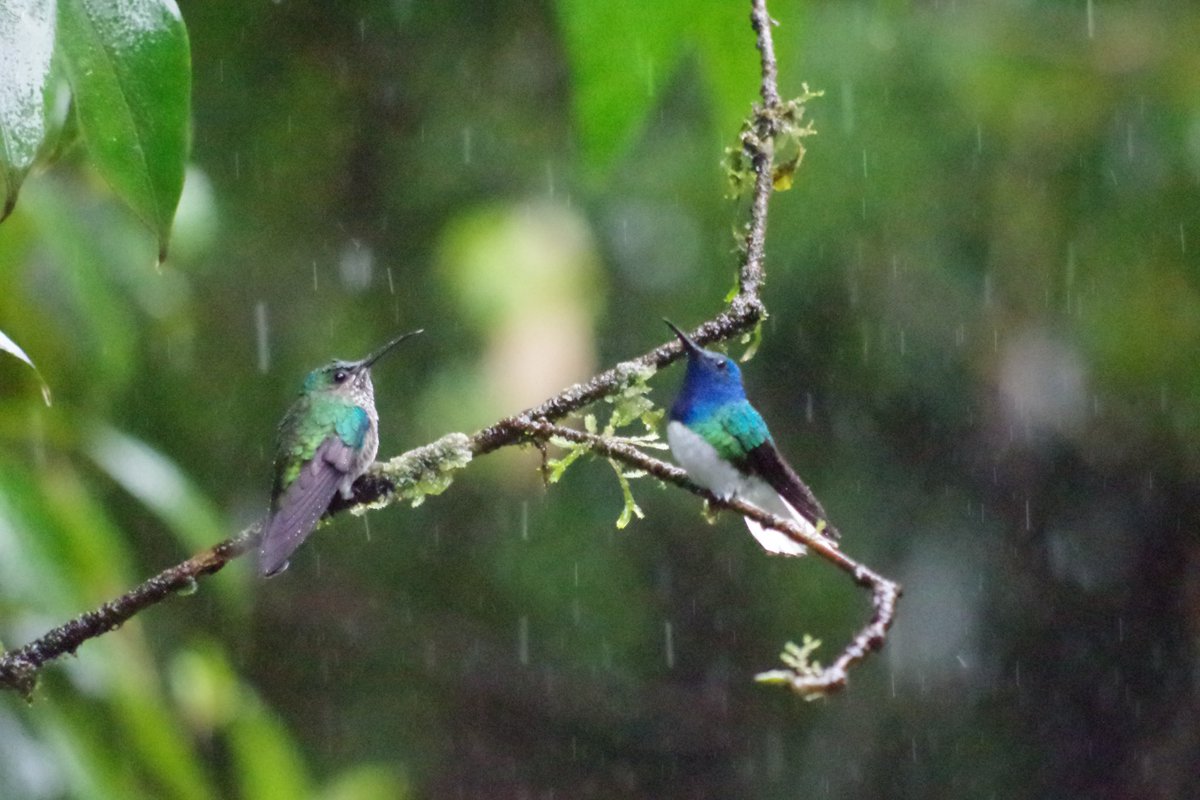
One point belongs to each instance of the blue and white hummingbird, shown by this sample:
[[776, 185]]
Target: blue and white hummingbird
[[327, 439], [723, 443]]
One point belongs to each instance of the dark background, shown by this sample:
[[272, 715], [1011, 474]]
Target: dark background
[[982, 354]]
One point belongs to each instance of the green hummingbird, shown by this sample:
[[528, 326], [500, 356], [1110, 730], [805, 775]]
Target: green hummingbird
[[327, 439]]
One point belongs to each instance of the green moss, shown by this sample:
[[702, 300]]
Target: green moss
[[787, 119], [424, 471]]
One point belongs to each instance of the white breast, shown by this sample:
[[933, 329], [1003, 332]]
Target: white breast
[[707, 468], [702, 462]]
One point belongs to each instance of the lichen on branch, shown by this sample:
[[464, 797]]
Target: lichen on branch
[[430, 469]]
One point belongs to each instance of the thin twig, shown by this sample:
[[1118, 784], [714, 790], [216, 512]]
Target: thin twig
[[760, 150], [761, 21]]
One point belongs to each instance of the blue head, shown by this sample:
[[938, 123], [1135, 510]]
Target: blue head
[[712, 381]]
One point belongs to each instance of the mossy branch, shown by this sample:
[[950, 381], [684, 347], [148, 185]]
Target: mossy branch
[[430, 469]]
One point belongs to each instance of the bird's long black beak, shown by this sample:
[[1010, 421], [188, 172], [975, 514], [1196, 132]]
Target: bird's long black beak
[[381, 352], [688, 344]]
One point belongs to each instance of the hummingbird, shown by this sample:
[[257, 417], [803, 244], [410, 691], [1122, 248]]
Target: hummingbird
[[723, 443], [327, 439]]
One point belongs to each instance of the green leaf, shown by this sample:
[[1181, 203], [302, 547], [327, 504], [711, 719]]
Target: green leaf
[[267, 762], [754, 340], [159, 484], [7, 345], [154, 737], [558, 466], [81, 743], [631, 508], [620, 56], [26, 50], [130, 70], [725, 41]]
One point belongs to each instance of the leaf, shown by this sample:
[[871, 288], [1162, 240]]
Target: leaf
[[158, 483], [26, 50], [754, 339], [9, 346], [162, 487], [798, 658], [631, 508], [267, 762], [620, 55], [129, 68], [558, 466], [725, 41]]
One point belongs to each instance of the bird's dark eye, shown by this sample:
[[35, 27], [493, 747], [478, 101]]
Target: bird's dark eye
[[340, 376], [722, 364]]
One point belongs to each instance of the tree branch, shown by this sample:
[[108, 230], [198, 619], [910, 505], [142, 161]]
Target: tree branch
[[427, 469], [806, 679], [19, 668]]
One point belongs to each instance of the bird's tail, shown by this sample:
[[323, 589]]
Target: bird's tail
[[778, 542]]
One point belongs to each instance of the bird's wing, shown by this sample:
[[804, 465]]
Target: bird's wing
[[766, 462], [294, 514], [758, 455]]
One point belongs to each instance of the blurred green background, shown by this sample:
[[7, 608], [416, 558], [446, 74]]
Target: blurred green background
[[982, 354]]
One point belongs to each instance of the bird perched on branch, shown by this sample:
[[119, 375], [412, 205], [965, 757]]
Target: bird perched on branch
[[723, 443], [327, 439]]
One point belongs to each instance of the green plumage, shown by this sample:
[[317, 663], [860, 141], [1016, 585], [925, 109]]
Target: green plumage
[[733, 430], [311, 419], [327, 440]]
